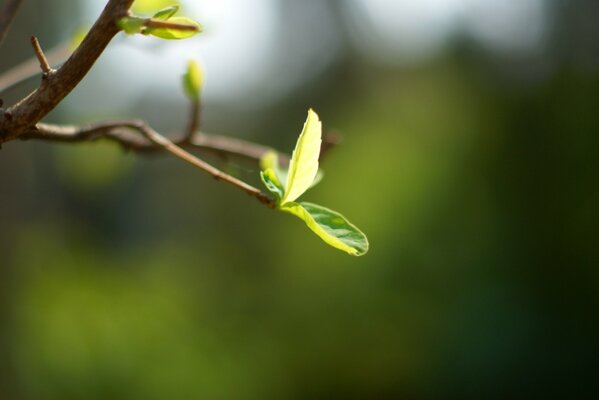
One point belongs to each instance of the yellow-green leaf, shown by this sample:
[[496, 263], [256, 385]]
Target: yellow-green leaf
[[330, 226], [270, 160], [303, 166], [270, 180], [175, 33], [193, 80], [166, 13]]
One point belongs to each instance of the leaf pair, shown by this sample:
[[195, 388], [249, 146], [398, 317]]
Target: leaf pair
[[162, 24], [303, 173]]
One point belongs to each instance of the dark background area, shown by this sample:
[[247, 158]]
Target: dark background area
[[473, 171]]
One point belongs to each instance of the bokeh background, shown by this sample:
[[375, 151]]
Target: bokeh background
[[470, 158]]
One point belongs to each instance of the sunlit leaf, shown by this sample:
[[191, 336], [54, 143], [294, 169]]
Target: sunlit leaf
[[176, 33], [270, 180], [193, 80], [166, 13], [270, 160], [303, 166], [330, 226]]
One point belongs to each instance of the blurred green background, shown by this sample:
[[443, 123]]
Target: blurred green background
[[470, 158]]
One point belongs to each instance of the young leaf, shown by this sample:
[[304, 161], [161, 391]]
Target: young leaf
[[303, 166], [193, 80], [174, 33], [330, 226], [166, 13], [270, 180], [270, 160], [132, 25]]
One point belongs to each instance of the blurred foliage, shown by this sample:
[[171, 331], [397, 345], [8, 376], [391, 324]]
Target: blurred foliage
[[151, 6], [126, 277]]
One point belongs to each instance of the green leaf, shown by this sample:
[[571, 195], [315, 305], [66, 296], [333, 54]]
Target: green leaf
[[303, 166], [132, 25], [193, 80], [270, 180], [271, 160], [166, 13], [174, 33], [330, 226]]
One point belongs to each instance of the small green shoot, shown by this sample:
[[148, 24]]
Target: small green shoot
[[193, 81], [303, 173], [163, 24]]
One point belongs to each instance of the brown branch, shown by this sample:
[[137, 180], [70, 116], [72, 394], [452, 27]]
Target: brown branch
[[34, 107], [217, 174], [116, 131], [7, 15], [41, 57], [193, 125], [123, 132], [30, 68]]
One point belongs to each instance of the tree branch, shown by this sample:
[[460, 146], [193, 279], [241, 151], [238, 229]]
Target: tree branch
[[7, 15], [118, 132], [58, 85], [217, 174], [123, 132], [22, 120], [158, 24]]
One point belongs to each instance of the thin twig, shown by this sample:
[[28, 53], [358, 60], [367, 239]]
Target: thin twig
[[204, 166], [7, 15], [159, 24], [194, 119], [41, 57], [118, 131], [30, 68], [115, 131]]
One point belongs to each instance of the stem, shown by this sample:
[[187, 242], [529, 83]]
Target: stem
[[39, 53], [204, 166], [159, 24]]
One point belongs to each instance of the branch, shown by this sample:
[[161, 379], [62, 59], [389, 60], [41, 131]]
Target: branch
[[118, 132], [193, 124], [217, 174], [159, 24], [41, 57], [123, 132], [7, 16], [59, 84]]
